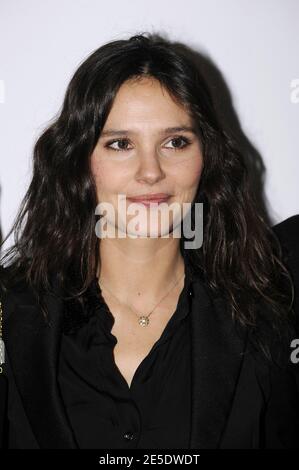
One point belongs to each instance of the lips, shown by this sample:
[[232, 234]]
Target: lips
[[147, 199]]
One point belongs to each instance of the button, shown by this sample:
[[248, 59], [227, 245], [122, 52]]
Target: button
[[191, 291], [128, 436]]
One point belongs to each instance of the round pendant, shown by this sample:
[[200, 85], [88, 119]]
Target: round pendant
[[143, 321]]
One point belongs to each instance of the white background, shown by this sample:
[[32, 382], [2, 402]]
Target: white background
[[254, 44]]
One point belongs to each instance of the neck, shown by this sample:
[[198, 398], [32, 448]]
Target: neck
[[140, 268]]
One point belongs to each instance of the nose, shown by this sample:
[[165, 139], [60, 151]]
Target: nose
[[149, 169]]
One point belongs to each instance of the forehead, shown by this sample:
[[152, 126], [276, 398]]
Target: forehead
[[147, 102]]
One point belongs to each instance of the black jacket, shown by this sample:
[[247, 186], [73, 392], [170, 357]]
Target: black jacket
[[238, 399]]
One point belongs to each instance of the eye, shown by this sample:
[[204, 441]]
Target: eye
[[177, 141], [123, 143]]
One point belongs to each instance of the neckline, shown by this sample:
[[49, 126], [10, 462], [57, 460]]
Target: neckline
[[77, 314]]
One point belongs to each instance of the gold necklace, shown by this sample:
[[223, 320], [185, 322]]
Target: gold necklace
[[143, 320]]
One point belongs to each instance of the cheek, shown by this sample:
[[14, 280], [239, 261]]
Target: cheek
[[189, 174], [95, 167], [100, 175], [106, 178]]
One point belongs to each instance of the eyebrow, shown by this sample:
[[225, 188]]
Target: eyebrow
[[168, 130]]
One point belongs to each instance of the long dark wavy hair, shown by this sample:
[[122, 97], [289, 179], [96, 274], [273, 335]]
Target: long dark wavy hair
[[54, 231]]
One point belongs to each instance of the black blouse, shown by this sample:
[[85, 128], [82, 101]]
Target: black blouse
[[104, 412]]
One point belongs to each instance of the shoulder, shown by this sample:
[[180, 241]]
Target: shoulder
[[287, 232], [14, 290]]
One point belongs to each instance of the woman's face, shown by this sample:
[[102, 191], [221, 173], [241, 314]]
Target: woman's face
[[137, 153]]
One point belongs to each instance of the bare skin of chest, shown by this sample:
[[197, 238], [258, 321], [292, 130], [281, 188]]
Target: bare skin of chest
[[134, 342]]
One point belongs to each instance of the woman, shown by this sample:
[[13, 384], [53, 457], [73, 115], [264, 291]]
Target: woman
[[139, 341]]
